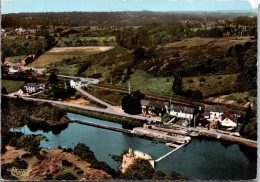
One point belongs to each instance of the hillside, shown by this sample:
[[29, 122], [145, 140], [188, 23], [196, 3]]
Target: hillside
[[211, 65]]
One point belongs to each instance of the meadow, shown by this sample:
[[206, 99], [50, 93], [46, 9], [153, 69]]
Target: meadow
[[60, 53], [15, 59], [11, 85]]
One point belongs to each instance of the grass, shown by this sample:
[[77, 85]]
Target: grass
[[213, 84], [11, 85], [72, 67], [71, 70], [106, 96], [105, 116], [15, 59], [59, 54], [142, 81]]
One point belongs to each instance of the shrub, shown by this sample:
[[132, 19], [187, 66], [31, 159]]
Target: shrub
[[66, 163]]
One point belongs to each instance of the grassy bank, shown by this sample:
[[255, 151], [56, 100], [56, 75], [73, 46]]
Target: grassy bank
[[104, 116]]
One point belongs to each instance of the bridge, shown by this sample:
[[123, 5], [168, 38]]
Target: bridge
[[169, 153]]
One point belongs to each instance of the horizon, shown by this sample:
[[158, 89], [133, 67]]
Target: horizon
[[187, 6]]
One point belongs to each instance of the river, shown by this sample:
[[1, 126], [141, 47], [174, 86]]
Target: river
[[201, 159]]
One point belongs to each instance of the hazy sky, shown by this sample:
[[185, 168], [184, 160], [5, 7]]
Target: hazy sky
[[15, 6]]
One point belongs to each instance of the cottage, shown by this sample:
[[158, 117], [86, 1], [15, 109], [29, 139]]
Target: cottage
[[228, 120], [214, 112], [75, 82], [31, 88], [14, 68], [182, 112], [152, 108]]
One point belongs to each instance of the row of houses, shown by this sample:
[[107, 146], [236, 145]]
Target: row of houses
[[17, 31], [213, 113]]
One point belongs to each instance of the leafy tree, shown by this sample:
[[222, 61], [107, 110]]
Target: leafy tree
[[53, 79], [140, 170], [132, 103], [177, 84], [4, 91]]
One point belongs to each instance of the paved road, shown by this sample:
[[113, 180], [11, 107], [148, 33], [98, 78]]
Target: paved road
[[111, 111], [90, 80], [92, 97]]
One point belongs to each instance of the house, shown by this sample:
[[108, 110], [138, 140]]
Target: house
[[75, 82], [152, 108], [20, 91], [14, 68], [228, 120], [182, 112], [32, 87], [214, 112], [131, 156]]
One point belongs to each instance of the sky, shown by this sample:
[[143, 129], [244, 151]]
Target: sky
[[17, 6]]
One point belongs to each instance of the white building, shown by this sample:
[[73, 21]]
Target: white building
[[214, 112], [31, 87], [182, 112], [14, 68], [75, 82], [228, 120]]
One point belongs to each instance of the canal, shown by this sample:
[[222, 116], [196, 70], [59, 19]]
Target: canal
[[202, 159]]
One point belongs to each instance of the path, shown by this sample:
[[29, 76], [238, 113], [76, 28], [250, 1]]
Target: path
[[169, 153]]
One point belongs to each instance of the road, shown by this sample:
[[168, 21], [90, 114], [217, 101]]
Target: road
[[79, 88]]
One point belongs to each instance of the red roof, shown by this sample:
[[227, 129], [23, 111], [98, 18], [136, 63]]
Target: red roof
[[230, 116]]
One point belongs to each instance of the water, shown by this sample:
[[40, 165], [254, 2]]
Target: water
[[202, 159]]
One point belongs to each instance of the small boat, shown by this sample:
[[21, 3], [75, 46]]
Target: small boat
[[172, 145]]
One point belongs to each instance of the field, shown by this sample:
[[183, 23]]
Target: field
[[142, 81], [242, 99], [82, 38], [210, 85], [12, 86], [107, 96], [60, 53], [15, 59]]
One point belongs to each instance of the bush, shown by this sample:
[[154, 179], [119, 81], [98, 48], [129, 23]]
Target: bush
[[66, 163], [26, 155], [140, 170]]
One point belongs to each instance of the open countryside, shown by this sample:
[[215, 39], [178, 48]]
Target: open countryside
[[62, 53], [129, 96]]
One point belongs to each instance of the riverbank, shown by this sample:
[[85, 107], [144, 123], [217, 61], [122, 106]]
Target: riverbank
[[233, 140], [126, 122]]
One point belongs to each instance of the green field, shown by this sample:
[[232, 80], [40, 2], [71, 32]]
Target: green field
[[142, 81], [15, 59], [60, 53], [11, 85]]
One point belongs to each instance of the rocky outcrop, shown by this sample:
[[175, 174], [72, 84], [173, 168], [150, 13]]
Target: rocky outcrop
[[49, 166]]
